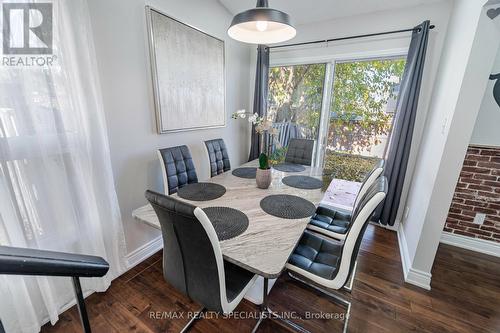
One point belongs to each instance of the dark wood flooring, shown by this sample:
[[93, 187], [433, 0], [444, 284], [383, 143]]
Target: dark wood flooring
[[465, 297]]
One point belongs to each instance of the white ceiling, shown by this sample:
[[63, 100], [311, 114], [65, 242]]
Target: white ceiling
[[306, 11]]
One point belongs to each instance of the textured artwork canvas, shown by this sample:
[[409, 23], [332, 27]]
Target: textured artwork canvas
[[189, 75]]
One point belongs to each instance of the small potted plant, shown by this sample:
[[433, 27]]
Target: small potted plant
[[263, 125], [263, 176]]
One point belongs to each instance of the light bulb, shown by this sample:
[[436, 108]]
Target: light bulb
[[261, 25]]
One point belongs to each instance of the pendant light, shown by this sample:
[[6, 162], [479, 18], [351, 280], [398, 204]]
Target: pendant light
[[262, 25]]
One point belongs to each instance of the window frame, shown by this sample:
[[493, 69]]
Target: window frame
[[330, 61]]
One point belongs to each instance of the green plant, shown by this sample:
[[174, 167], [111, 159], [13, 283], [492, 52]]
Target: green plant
[[263, 161], [296, 94], [361, 92], [278, 156], [347, 166]]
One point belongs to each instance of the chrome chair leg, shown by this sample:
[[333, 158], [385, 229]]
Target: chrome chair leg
[[192, 320], [289, 323], [256, 327], [348, 288], [335, 297], [267, 313]]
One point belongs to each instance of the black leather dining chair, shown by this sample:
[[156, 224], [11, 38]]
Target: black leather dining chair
[[177, 168], [326, 265], [192, 257], [23, 261], [218, 156], [300, 151], [335, 223]]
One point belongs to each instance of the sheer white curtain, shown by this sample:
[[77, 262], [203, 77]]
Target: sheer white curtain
[[56, 183]]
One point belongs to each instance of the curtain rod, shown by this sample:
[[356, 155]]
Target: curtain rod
[[350, 37]]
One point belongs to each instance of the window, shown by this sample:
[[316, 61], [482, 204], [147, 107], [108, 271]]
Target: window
[[296, 96], [347, 107], [364, 96]]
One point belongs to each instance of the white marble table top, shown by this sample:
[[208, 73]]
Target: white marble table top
[[264, 248]]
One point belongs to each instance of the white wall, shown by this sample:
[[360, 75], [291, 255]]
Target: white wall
[[438, 13], [120, 36], [466, 61], [486, 131], [397, 19]]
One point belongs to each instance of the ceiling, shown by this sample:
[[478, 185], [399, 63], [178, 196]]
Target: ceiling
[[306, 11]]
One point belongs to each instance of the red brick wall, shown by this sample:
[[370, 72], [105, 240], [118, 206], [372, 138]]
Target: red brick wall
[[477, 191]]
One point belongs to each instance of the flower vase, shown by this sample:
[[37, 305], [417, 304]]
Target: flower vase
[[263, 178]]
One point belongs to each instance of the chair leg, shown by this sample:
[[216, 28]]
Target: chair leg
[[192, 320], [266, 312], [80, 302], [335, 297], [348, 288]]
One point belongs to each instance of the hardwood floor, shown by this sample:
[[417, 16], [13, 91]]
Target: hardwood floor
[[465, 297]]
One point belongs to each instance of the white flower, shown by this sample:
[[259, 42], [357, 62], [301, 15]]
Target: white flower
[[262, 124], [253, 118]]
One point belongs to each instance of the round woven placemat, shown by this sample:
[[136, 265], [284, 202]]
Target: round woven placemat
[[287, 206], [201, 191], [289, 167], [303, 182], [248, 173], [228, 222]]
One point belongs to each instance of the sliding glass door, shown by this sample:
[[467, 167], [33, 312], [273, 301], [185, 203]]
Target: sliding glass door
[[296, 98], [362, 109], [347, 107]]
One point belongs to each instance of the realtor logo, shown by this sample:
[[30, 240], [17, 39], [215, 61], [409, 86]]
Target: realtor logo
[[27, 28]]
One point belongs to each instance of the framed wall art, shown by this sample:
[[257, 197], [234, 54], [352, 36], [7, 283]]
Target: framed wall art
[[188, 69]]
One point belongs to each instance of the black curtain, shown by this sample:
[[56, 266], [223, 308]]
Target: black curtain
[[402, 132], [260, 96]]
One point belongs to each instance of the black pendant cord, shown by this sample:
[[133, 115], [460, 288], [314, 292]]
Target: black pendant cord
[[262, 4], [346, 38]]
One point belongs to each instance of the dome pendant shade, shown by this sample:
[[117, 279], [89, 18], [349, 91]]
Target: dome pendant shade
[[262, 25]]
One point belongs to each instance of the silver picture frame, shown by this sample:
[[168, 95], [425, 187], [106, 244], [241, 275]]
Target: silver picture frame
[[203, 93]]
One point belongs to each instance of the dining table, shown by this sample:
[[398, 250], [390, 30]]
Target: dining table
[[266, 245]]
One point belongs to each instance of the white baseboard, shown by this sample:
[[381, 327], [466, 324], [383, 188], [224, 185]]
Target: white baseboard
[[403, 250], [412, 275], [394, 227], [144, 252], [419, 278], [473, 244]]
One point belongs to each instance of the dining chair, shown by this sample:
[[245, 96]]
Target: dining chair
[[177, 168], [325, 264], [25, 261], [300, 151], [192, 257], [218, 156], [335, 223]]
